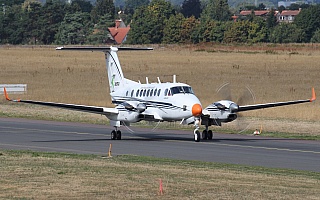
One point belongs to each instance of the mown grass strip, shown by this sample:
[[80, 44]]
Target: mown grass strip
[[42, 175]]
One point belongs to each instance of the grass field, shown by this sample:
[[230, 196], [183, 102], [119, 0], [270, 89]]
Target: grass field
[[35, 175], [274, 73]]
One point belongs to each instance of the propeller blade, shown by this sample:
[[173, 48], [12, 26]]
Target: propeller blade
[[247, 97], [224, 91]]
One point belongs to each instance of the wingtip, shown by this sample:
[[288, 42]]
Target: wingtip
[[6, 94], [313, 98]]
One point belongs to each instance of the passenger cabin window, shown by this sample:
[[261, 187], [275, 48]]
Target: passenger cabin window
[[166, 92], [137, 94], [155, 92], [151, 93], [141, 91], [127, 93], [144, 93], [181, 89], [159, 92], [148, 92], [132, 93]]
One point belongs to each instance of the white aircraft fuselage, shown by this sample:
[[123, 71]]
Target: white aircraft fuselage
[[162, 101]]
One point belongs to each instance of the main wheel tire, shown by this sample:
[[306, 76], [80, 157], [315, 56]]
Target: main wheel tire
[[113, 135], [210, 135], [197, 136], [118, 135], [204, 134]]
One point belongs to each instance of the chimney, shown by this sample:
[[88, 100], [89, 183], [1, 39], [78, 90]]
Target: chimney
[[118, 21]]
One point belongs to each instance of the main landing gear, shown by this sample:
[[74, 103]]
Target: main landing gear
[[206, 135], [116, 134]]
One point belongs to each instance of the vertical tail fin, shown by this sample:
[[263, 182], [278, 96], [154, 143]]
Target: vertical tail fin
[[115, 74]]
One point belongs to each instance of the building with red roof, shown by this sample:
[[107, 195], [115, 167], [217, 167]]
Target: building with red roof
[[119, 32], [288, 15]]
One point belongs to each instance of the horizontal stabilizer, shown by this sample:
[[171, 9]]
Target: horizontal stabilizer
[[104, 49]]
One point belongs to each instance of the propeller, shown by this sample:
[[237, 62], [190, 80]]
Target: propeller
[[245, 97]]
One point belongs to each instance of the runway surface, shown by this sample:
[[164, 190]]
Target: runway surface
[[95, 139]]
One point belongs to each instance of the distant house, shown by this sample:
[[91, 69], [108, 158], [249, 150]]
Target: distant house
[[258, 13], [288, 15], [119, 32]]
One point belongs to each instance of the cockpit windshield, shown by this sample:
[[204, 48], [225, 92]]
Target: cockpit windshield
[[181, 89]]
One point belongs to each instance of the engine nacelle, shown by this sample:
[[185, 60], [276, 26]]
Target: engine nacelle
[[141, 107], [134, 106], [128, 116], [219, 112]]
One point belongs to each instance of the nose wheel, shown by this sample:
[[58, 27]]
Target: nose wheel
[[196, 136], [115, 135]]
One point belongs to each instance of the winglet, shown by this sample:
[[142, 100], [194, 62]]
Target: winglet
[[6, 94], [313, 95]]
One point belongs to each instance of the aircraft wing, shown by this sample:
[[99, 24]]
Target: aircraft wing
[[83, 108], [270, 105]]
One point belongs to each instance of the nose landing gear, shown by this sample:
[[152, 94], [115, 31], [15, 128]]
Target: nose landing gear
[[116, 134]]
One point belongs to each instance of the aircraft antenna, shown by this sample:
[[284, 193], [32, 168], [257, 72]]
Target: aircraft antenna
[[158, 80], [174, 78]]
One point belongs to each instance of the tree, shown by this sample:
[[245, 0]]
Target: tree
[[316, 37], [74, 29], [85, 6], [258, 31], [238, 32], [102, 8], [173, 26], [191, 8], [261, 6], [33, 26], [101, 34], [148, 22], [271, 19], [281, 8], [308, 20], [294, 6], [52, 15], [217, 10], [287, 33], [14, 22], [188, 27], [131, 5], [10, 3]]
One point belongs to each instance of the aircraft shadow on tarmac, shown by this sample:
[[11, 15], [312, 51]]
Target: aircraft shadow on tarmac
[[162, 137]]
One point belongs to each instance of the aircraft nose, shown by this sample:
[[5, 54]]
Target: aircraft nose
[[196, 110]]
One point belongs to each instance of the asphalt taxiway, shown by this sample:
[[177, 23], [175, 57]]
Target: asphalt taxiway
[[95, 139]]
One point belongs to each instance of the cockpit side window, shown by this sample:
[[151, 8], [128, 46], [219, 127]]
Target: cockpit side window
[[181, 89]]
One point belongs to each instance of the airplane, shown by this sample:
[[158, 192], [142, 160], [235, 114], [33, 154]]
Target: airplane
[[157, 102]]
